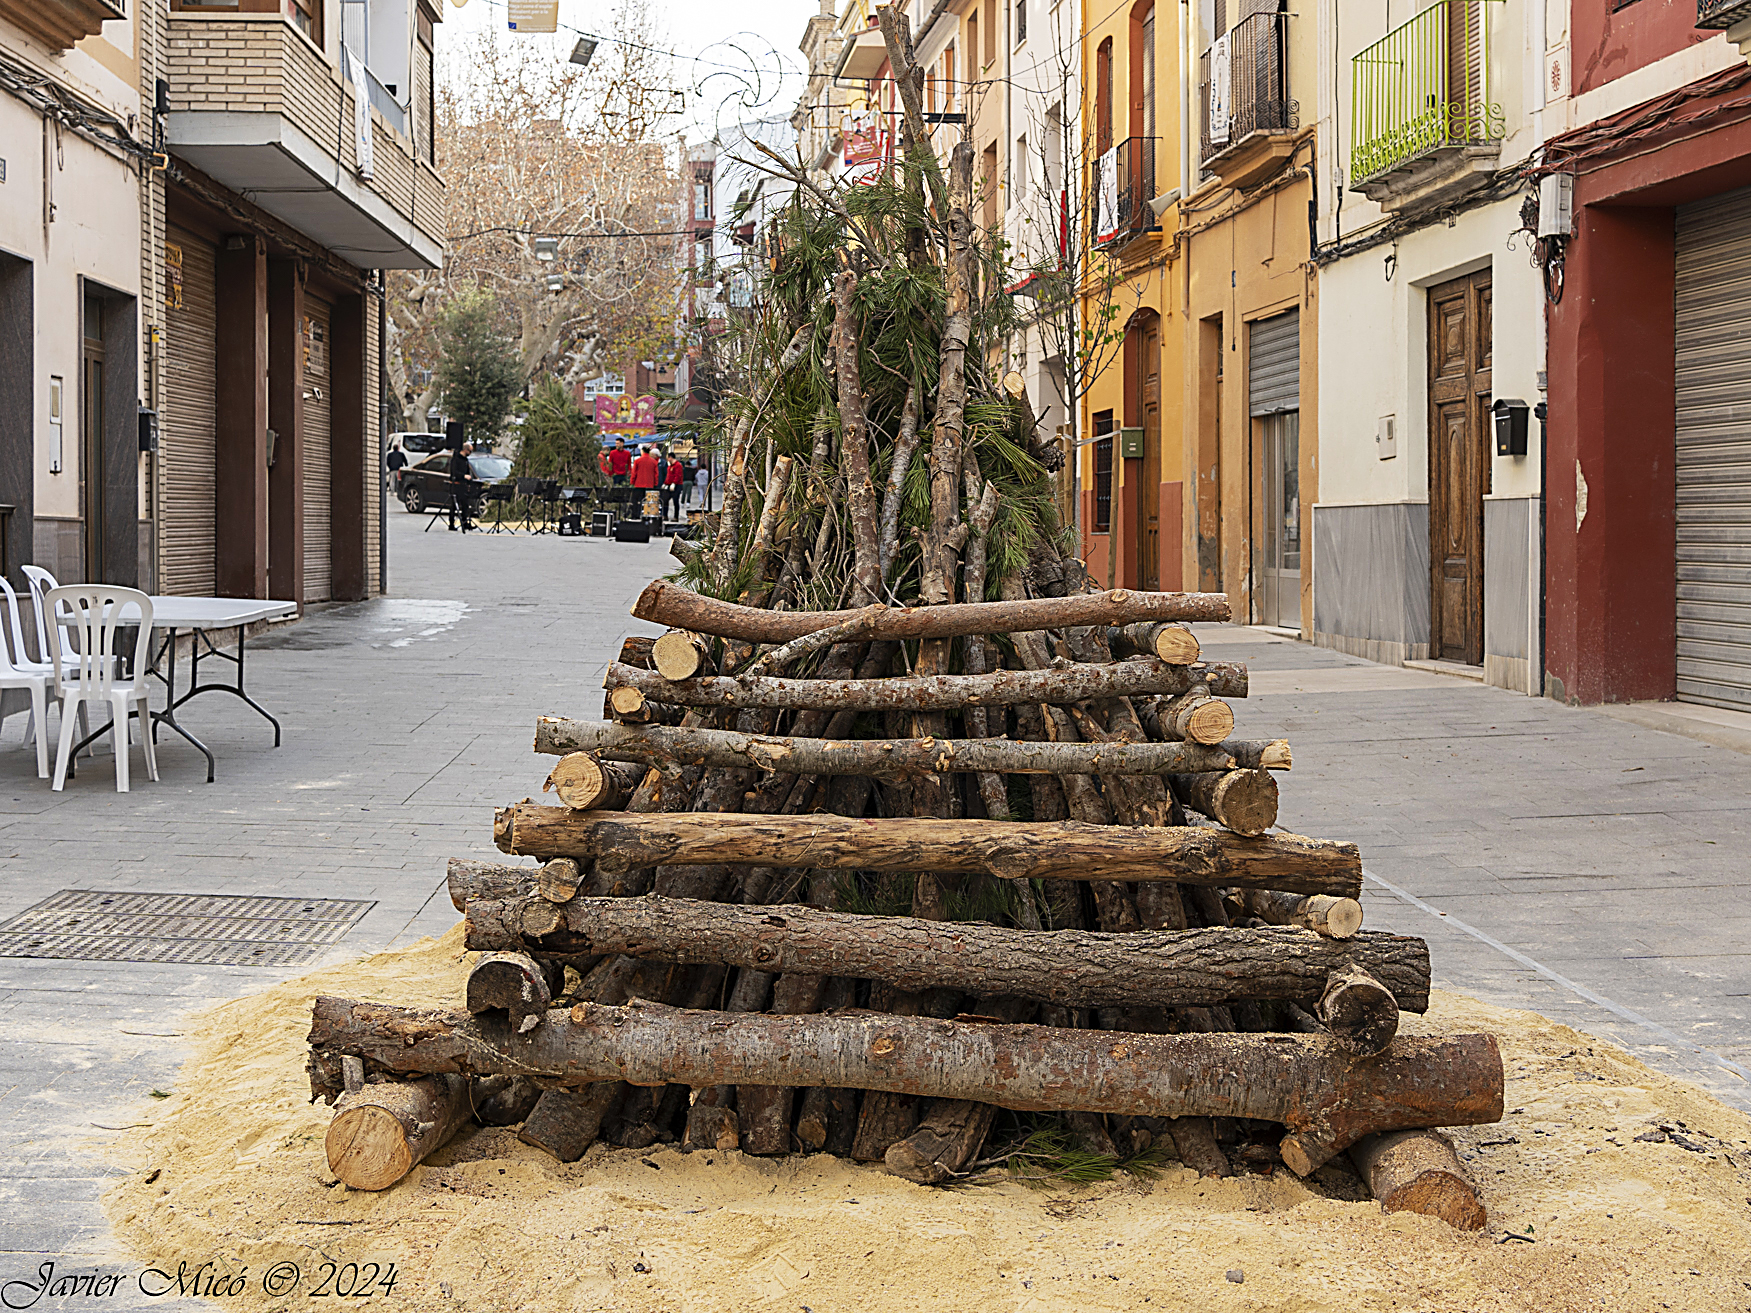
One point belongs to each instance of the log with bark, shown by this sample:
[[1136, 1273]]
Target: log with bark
[[470, 879], [1243, 800], [516, 983], [1327, 1099], [666, 603], [1338, 918], [1418, 1172], [667, 746], [1070, 968], [566, 1122], [1197, 717], [1063, 850], [1172, 643], [1359, 1010], [679, 654], [586, 783], [1078, 682], [381, 1132]]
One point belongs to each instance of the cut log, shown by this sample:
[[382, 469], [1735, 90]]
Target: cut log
[[502, 1100], [585, 783], [898, 757], [666, 603], [944, 1141], [1063, 850], [1196, 717], [523, 987], [1174, 644], [1243, 800], [711, 1121], [565, 1123], [636, 650], [1081, 682], [1418, 1172], [1070, 968], [626, 704], [1194, 1140], [1336, 918], [382, 1132], [1359, 1011], [470, 880], [1327, 1099], [763, 1111], [679, 654], [560, 880]]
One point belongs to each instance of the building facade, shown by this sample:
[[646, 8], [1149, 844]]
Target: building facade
[[222, 370]]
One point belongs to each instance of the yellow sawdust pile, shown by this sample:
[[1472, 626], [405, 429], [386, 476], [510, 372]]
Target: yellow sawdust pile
[[232, 1168]]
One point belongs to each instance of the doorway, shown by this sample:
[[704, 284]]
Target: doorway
[[1149, 484], [1280, 564], [1459, 464]]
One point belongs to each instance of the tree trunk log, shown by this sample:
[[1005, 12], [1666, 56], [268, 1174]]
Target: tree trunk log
[[1196, 717], [380, 1133], [1326, 1099], [711, 1121], [1359, 1011], [565, 1123], [1336, 918], [667, 745], [1174, 644], [680, 655], [515, 982], [1064, 850], [1070, 968], [502, 1100], [636, 649], [1194, 1140], [469, 880], [1138, 677], [584, 783], [1418, 1172], [666, 603], [1243, 800], [764, 1110], [560, 881]]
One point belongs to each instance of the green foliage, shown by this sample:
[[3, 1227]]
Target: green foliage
[[1048, 1157], [559, 440], [478, 371]]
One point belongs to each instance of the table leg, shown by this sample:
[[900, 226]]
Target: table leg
[[168, 715]]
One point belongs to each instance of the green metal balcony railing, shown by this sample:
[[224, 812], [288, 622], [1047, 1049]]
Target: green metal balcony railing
[[1424, 86]]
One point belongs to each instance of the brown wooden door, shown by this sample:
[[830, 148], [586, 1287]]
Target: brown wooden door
[[1459, 464], [1149, 487]]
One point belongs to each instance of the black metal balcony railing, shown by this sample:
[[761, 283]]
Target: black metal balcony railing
[[1721, 14], [1120, 189], [1243, 83]]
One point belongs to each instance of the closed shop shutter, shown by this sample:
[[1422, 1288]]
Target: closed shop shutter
[[318, 408], [1273, 365], [1714, 451], [186, 442]]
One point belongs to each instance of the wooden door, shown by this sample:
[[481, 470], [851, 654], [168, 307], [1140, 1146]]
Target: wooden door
[[1459, 464], [1149, 486]]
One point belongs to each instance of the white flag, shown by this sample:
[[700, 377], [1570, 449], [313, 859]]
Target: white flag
[[1220, 94]]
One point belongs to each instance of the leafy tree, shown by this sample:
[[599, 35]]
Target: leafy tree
[[559, 440], [477, 368]]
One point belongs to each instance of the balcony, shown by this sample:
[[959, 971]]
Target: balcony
[[258, 108], [1247, 114], [59, 24], [1425, 128], [1121, 184], [1722, 14]]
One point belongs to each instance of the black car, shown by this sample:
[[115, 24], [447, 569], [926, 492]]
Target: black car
[[428, 483]]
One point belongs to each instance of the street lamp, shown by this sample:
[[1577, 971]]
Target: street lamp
[[583, 51]]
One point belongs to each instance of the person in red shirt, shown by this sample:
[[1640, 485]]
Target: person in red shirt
[[672, 478], [646, 471], [602, 464], [619, 463]]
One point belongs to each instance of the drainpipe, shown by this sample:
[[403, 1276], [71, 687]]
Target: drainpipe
[[1187, 37], [382, 437]]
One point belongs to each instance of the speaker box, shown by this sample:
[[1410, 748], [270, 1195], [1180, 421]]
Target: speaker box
[[601, 524], [571, 526], [632, 531]]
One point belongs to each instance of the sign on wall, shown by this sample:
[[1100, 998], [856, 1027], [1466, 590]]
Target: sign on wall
[[626, 416], [172, 276]]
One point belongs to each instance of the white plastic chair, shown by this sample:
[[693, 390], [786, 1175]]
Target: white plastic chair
[[94, 612], [18, 671], [41, 583]]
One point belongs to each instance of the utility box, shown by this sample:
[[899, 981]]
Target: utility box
[[1511, 415], [1556, 205], [148, 429], [1130, 444]]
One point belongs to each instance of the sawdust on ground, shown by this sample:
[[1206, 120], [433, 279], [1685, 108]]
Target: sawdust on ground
[[232, 1169]]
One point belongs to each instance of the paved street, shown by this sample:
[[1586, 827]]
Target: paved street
[[1601, 852]]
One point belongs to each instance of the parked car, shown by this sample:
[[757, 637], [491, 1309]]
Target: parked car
[[427, 484], [418, 444]]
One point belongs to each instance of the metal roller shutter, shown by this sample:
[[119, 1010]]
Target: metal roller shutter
[[318, 408], [186, 438], [1273, 362], [1714, 451]]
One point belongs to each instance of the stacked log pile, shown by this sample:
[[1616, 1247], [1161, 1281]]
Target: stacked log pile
[[901, 822]]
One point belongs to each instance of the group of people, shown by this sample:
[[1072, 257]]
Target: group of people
[[654, 468]]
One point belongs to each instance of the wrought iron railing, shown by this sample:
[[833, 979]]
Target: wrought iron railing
[[1425, 85], [1721, 13], [1122, 183], [1244, 84]]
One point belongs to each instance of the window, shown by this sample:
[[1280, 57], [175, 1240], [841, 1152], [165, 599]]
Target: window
[[1018, 170], [701, 200], [949, 91], [972, 41], [307, 16], [1020, 21], [990, 34], [1103, 472], [1103, 97], [1143, 71]]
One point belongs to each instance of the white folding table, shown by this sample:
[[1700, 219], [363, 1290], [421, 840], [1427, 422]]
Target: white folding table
[[200, 616]]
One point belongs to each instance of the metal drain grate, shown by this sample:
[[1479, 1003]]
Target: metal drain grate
[[206, 929]]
